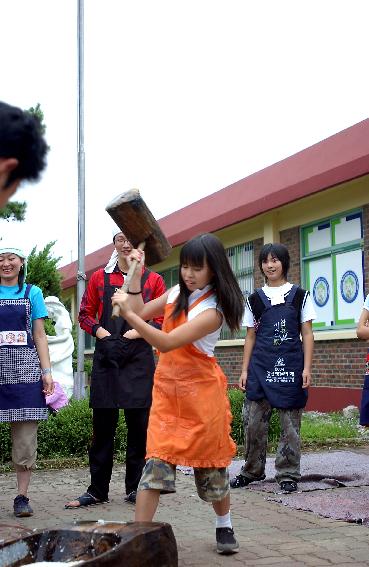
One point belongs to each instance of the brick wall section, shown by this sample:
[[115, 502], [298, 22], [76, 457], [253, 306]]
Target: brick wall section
[[337, 364], [230, 360], [291, 239]]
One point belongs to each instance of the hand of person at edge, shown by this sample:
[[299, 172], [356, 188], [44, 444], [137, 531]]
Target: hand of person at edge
[[306, 378], [101, 333], [242, 381], [132, 334], [48, 384]]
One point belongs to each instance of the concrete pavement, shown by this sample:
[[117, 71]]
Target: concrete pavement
[[269, 533]]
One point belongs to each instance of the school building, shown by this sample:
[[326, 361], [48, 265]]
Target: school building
[[316, 202]]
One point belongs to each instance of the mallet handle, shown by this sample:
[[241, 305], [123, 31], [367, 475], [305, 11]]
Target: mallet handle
[[127, 281]]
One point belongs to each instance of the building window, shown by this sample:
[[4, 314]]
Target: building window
[[170, 277], [241, 259], [90, 342], [333, 269]]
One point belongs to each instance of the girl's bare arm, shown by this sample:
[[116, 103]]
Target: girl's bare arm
[[40, 340], [247, 351], [362, 329], [207, 322], [308, 342]]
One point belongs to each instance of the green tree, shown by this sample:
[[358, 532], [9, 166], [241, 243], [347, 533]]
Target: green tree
[[43, 272], [15, 210]]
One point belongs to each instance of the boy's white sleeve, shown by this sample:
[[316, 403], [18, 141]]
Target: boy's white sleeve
[[366, 303], [307, 312]]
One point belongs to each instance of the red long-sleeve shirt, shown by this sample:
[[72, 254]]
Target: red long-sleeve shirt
[[92, 300]]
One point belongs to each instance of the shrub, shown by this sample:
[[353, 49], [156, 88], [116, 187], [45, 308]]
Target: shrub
[[65, 434], [236, 398]]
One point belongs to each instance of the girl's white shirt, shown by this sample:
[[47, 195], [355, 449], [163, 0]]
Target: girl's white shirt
[[205, 344], [278, 295]]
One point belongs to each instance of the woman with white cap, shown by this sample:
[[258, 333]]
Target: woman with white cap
[[25, 374]]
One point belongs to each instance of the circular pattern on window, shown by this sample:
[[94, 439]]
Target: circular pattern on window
[[321, 291], [349, 286]]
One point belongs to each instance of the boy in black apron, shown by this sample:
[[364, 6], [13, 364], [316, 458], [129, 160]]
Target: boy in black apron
[[276, 369]]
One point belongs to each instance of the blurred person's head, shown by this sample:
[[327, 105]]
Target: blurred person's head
[[22, 149]]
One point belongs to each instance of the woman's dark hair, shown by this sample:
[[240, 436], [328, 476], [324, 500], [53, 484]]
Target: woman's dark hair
[[208, 248], [276, 250], [20, 279]]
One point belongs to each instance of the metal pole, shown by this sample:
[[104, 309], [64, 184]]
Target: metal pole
[[79, 376]]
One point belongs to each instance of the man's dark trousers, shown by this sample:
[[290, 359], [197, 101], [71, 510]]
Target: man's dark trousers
[[102, 448]]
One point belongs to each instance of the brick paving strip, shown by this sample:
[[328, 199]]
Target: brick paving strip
[[269, 533]]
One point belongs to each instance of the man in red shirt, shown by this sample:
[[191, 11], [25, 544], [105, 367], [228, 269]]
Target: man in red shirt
[[122, 375]]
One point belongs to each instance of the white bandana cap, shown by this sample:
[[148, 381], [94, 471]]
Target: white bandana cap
[[109, 268], [4, 249]]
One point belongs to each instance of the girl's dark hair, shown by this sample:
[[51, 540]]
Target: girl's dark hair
[[208, 248], [20, 276], [20, 279], [276, 250]]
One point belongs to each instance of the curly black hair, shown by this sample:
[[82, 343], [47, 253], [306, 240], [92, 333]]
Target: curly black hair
[[21, 138]]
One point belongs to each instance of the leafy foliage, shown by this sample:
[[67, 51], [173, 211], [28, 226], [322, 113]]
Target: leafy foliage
[[65, 437], [65, 434], [13, 211], [49, 328], [236, 398], [43, 272], [38, 113]]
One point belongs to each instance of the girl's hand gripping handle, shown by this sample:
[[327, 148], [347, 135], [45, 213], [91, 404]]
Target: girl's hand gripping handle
[[127, 280]]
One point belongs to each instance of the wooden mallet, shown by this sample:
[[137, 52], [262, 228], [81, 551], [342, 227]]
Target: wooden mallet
[[132, 216]]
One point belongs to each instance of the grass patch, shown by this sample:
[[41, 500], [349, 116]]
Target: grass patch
[[324, 426]]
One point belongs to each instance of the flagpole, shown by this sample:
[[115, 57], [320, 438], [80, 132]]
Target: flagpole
[[79, 376]]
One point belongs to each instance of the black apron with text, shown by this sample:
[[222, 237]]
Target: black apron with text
[[277, 360], [123, 369]]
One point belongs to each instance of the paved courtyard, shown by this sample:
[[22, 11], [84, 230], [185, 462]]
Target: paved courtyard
[[269, 533]]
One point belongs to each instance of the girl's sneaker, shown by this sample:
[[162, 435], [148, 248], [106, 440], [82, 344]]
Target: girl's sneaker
[[241, 480], [226, 542], [21, 507]]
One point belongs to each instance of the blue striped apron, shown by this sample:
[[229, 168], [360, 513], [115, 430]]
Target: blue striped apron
[[21, 396]]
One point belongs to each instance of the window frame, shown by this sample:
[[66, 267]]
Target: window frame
[[331, 252]]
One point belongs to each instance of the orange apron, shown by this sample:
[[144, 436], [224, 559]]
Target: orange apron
[[190, 417]]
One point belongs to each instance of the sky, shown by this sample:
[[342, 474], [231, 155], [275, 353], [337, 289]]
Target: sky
[[181, 98]]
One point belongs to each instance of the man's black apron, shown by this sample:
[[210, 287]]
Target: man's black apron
[[277, 360], [123, 369]]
